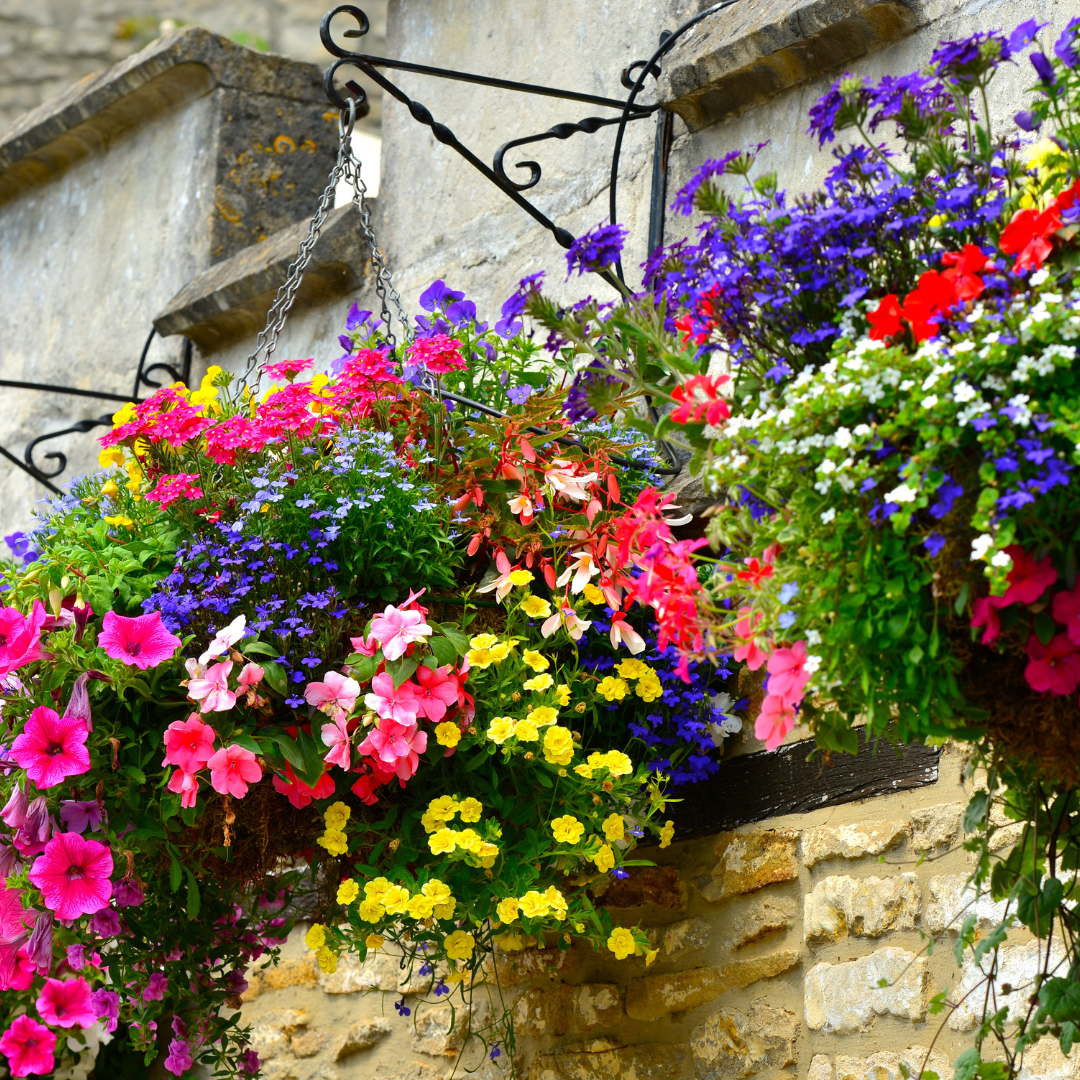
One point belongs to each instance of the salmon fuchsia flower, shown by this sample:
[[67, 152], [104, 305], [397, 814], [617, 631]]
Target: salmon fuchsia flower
[[336, 695], [397, 628], [189, 744], [142, 642], [29, 1047], [232, 769], [212, 689], [436, 691], [66, 1003], [390, 702], [51, 747], [565, 615], [503, 582], [563, 478], [582, 571], [73, 875]]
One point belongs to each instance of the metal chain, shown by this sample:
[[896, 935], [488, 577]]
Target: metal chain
[[347, 167]]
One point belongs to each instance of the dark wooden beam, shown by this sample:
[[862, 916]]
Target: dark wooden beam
[[788, 781]]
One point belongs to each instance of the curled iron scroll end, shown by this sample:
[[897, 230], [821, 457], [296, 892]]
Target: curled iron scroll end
[[356, 99], [500, 169], [363, 25], [627, 77]]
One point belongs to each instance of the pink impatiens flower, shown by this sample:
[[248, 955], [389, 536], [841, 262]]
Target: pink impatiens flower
[[232, 769], [51, 748], [336, 695], [390, 702], [774, 722], [212, 689], [299, 793], [395, 747], [336, 736], [397, 628], [29, 1047], [1028, 579], [142, 642], [20, 637], [225, 639], [787, 673], [984, 612], [436, 691], [66, 1003], [189, 744], [1066, 611], [73, 875], [1053, 668], [186, 785]]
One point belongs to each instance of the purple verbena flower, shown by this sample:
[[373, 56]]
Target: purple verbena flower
[[596, 250]]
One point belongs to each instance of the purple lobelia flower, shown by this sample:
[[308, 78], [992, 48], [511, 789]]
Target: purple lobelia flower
[[593, 390]]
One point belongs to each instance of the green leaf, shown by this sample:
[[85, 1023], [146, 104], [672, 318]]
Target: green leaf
[[443, 649], [259, 648], [401, 670], [275, 677], [288, 747], [1045, 627], [363, 668], [975, 815], [194, 901], [136, 774], [175, 872], [248, 743], [459, 640], [312, 765]]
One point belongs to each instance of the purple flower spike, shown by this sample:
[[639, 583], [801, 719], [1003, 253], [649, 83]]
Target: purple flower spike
[[596, 250]]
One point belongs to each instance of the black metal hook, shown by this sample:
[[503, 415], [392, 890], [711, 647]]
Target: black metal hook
[[78, 428]]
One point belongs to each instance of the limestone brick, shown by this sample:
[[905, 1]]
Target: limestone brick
[[755, 918], [820, 1068], [891, 1065], [682, 938], [512, 968], [435, 1031], [413, 1070], [651, 1062], [850, 841], [657, 885], [380, 971], [562, 1009], [310, 1043], [865, 907], [750, 861], [1045, 1061], [733, 1044], [303, 972], [285, 1019], [254, 988], [935, 827], [950, 900], [846, 997], [654, 996], [268, 1042], [280, 1070], [363, 1035]]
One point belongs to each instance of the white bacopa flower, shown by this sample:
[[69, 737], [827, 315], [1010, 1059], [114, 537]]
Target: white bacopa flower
[[813, 637], [907, 384], [863, 430], [785, 416], [964, 346], [1039, 277], [980, 546], [811, 663], [828, 515], [903, 493], [929, 401], [1002, 558], [963, 391], [827, 466], [843, 438]]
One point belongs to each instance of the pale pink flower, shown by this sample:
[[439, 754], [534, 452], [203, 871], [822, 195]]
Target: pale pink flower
[[521, 504], [336, 736], [501, 583], [561, 479], [390, 702], [225, 639], [622, 633], [51, 747], [142, 642], [397, 628], [583, 571], [73, 875], [66, 1003], [787, 673], [436, 691], [232, 769], [29, 1047], [213, 689], [336, 695], [566, 616], [20, 637], [395, 747], [774, 722], [250, 676], [189, 744]]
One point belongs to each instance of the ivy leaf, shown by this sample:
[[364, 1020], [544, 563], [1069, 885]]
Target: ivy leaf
[[975, 815]]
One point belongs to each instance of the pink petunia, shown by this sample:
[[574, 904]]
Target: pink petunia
[[397, 628], [20, 637], [29, 1047], [66, 1003], [436, 691], [1066, 611], [51, 747], [213, 689], [390, 702], [787, 673], [336, 695], [225, 639], [984, 612], [73, 875], [186, 785], [155, 987], [1053, 668], [1028, 579], [189, 744], [336, 736], [774, 722], [299, 793], [19, 971], [232, 769], [142, 642], [395, 747]]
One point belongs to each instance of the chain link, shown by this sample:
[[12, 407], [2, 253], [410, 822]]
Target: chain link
[[347, 167]]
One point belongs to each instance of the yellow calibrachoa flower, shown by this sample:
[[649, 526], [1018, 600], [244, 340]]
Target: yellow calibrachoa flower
[[511, 941], [444, 807], [593, 594], [468, 840], [421, 907], [604, 858], [396, 900], [336, 815], [447, 734], [483, 641], [526, 731], [614, 827], [430, 822], [437, 890], [445, 910], [114, 455], [538, 682], [315, 938], [459, 945], [207, 390], [520, 577], [562, 694], [556, 901], [507, 909], [650, 956], [612, 689], [500, 729], [618, 763], [537, 661], [122, 520], [500, 652], [376, 889], [621, 943], [374, 941], [347, 891], [649, 688], [534, 905], [488, 853], [442, 842], [558, 746], [327, 961], [371, 911], [567, 829], [544, 715], [471, 809], [480, 658], [633, 668], [536, 607], [667, 833], [336, 843], [109, 488]]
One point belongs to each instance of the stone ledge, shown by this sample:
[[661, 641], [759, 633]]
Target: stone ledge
[[756, 49], [230, 299], [177, 67]]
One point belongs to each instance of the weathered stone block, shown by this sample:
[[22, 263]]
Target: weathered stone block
[[820, 1068], [950, 900], [413, 1070], [1045, 1061], [654, 1062], [310, 1043], [866, 907], [254, 988], [850, 841], [280, 1070], [655, 996], [289, 1020], [380, 971], [750, 861], [846, 997], [935, 826], [889, 1065], [511, 968], [268, 1042], [755, 918], [562, 1009], [302, 972], [363, 1035], [685, 937], [658, 885], [732, 1044]]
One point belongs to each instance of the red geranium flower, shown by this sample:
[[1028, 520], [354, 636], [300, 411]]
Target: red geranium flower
[[965, 268], [885, 320], [934, 295], [1026, 237]]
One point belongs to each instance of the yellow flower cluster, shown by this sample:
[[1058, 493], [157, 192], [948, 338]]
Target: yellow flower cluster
[[615, 761], [447, 841], [537, 661], [334, 839], [612, 689], [1048, 160], [667, 833], [567, 829], [533, 905], [446, 807], [622, 943], [381, 898], [535, 607], [593, 594], [539, 682], [558, 746], [648, 687], [604, 858], [315, 939], [487, 649], [447, 734], [459, 945], [614, 827], [526, 730]]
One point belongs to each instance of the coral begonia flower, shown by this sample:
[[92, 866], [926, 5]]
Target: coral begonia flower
[[934, 295], [435, 693], [189, 744], [232, 769], [336, 695], [142, 642], [984, 612], [582, 572], [390, 702], [213, 689], [965, 267], [51, 747], [501, 583], [561, 479], [225, 639], [186, 785], [1026, 236], [73, 875], [66, 1003], [336, 736], [29, 1047], [1028, 579], [1066, 611], [20, 637], [622, 633], [299, 793], [775, 720], [787, 673], [885, 319], [1053, 668], [397, 628]]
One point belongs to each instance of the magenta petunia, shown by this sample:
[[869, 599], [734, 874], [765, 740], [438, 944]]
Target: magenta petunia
[[142, 642], [73, 875], [29, 1047], [20, 637], [51, 747], [66, 1003]]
